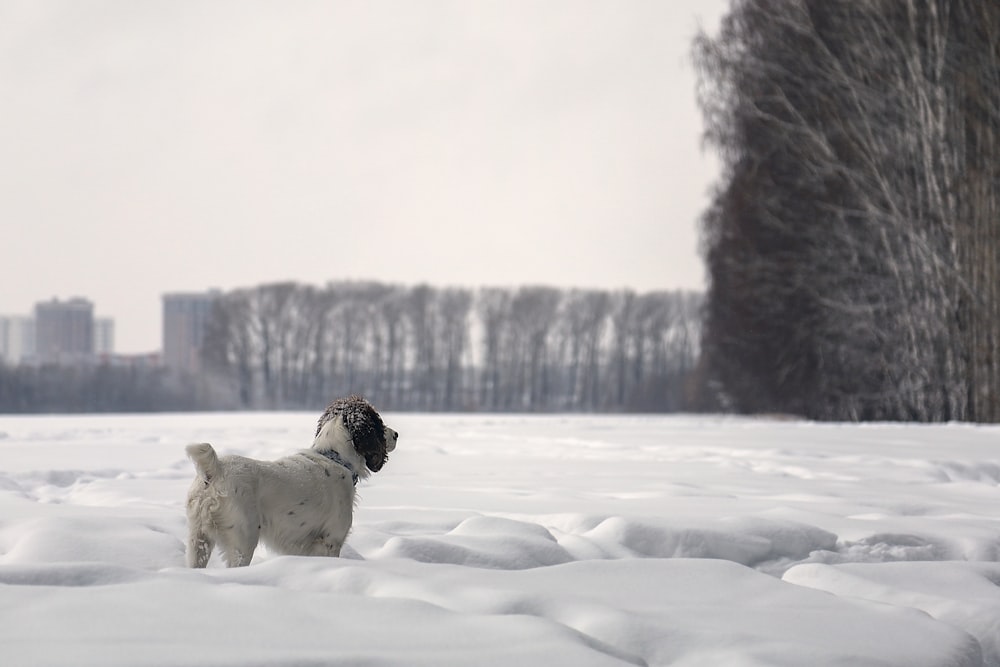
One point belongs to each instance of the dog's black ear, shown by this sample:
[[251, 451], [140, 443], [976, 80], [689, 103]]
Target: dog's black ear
[[375, 454], [366, 429]]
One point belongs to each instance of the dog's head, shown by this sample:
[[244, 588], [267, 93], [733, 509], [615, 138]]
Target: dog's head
[[372, 439]]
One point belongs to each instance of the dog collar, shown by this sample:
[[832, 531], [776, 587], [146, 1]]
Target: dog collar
[[339, 460]]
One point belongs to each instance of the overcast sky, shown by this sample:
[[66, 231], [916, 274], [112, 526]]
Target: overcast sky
[[151, 146]]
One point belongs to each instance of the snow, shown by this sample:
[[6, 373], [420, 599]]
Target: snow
[[528, 540]]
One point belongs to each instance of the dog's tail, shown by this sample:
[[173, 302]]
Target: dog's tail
[[205, 460]]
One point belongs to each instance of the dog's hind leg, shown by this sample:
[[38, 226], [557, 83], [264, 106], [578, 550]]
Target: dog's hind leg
[[200, 506], [199, 548]]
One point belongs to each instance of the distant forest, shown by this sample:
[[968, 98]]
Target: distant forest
[[853, 243], [453, 349], [294, 346]]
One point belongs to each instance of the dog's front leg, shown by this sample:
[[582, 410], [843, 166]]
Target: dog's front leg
[[326, 543], [321, 548], [238, 557]]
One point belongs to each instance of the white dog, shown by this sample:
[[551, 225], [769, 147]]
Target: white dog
[[299, 505]]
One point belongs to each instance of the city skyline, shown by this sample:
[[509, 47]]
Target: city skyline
[[163, 147], [62, 332], [68, 332]]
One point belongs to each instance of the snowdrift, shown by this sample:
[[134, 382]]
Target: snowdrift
[[517, 540]]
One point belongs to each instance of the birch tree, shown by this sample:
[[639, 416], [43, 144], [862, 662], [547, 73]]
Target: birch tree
[[857, 141]]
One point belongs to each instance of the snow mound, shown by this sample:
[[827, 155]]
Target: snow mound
[[526, 540], [887, 547], [480, 541], [981, 472], [68, 574], [90, 540], [294, 611], [963, 595], [9, 485], [748, 541]]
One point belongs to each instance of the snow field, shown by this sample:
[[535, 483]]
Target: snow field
[[538, 540]]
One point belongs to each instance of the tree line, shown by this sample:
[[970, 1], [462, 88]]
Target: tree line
[[853, 241], [27, 388], [289, 345]]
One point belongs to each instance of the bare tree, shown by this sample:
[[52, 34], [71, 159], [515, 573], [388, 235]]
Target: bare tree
[[454, 306], [839, 243]]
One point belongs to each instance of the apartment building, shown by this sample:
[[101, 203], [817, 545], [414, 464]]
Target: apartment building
[[185, 318], [64, 331], [59, 332], [104, 337], [17, 339]]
